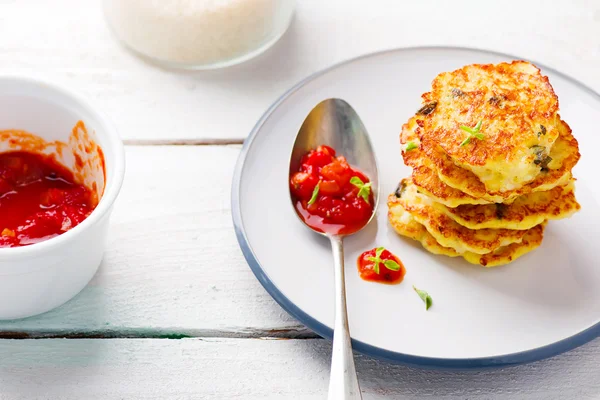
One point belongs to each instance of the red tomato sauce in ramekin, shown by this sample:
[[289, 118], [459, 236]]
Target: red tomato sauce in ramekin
[[40, 198]]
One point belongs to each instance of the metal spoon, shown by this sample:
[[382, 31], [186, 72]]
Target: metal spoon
[[334, 123]]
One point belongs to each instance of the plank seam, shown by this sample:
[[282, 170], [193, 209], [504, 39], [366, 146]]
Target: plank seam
[[182, 142], [138, 333]]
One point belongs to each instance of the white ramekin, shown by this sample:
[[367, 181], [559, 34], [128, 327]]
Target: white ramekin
[[37, 278]]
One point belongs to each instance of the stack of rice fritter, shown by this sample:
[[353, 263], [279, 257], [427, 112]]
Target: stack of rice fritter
[[491, 163]]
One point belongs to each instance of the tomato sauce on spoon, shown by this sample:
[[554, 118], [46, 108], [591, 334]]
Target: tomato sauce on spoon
[[329, 194]]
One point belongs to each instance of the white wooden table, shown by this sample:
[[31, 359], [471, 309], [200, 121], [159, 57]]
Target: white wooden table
[[174, 311]]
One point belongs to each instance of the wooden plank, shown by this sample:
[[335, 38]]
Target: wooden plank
[[262, 369], [173, 265], [68, 41]]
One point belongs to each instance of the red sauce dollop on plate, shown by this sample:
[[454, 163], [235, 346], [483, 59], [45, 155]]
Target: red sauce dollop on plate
[[367, 269], [38, 199], [338, 206]]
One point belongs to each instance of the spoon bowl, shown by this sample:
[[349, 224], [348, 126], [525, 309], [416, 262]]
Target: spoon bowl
[[334, 123]]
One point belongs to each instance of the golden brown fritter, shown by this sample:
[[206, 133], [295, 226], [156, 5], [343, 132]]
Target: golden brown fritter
[[563, 156], [406, 225], [504, 255], [491, 163], [445, 230], [525, 212], [423, 170], [430, 184], [488, 118]]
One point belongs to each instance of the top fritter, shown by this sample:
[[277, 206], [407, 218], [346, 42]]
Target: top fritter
[[498, 121]]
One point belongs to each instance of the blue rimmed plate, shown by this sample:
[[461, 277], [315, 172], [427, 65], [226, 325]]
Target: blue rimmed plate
[[545, 303]]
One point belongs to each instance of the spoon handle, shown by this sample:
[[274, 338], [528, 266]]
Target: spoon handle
[[343, 382]]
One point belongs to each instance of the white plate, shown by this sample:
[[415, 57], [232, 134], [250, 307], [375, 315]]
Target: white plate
[[543, 304]]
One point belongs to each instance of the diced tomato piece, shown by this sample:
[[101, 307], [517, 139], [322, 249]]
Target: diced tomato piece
[[338, 171], [346, 210], [7, 232], [302, 185], [329, 187], [318, 160], [360, 209], [326, 150], [328, 207]]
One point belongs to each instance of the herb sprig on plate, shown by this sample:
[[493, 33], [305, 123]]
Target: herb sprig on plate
[[425, 297]]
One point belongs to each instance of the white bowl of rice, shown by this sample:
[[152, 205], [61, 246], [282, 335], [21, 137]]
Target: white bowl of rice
[[199, 34]]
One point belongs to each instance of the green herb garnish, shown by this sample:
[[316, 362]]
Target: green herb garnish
[[473, 132], [425, 297], [364, 189], [314, 195], [389, 264], [411, 146]]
